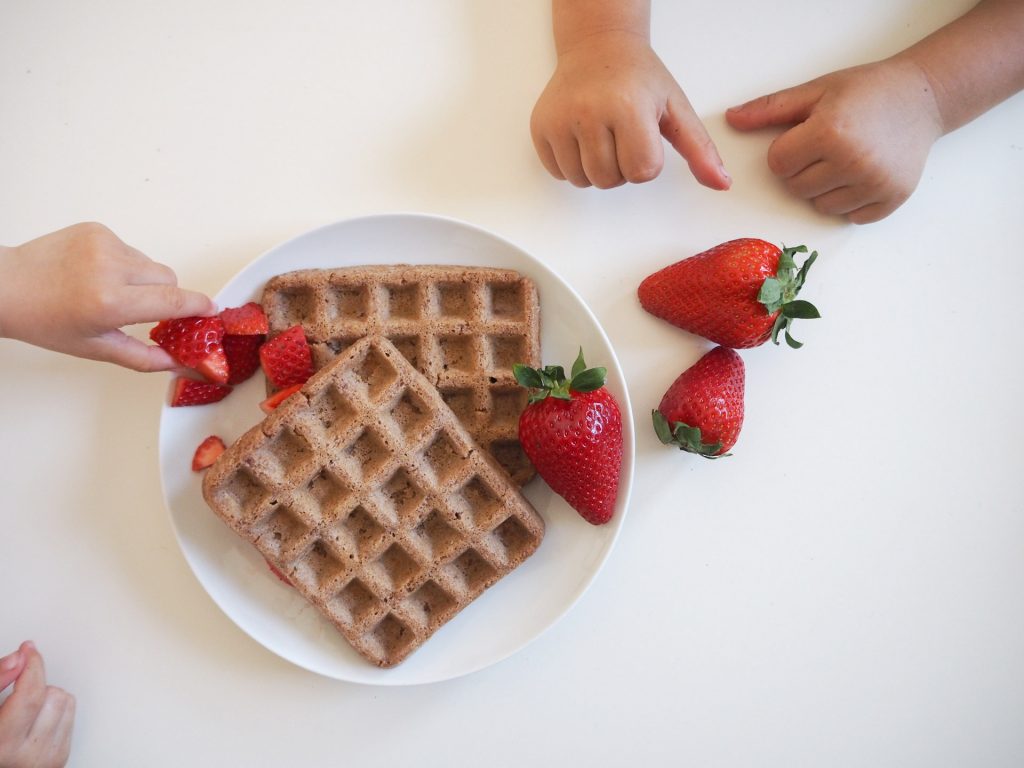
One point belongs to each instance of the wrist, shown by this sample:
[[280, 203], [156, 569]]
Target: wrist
[[924, 89], [584, 22]]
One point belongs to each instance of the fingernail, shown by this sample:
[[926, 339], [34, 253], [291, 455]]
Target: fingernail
[[31, 646], [7, 663]]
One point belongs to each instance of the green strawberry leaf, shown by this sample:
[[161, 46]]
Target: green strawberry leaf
[[550, 381], [685, 437], [798, 308], [579, 366], [589, 379], [778, 294], [526, 376], [661, 427], [770, 294]]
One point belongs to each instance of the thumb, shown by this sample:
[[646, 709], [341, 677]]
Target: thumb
[[792, 105], [11, 667], [120, 348]]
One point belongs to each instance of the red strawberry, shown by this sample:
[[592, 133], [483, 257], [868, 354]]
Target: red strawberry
[[277, 572], [243, 354], [192, 392], [286, 358], [738, 294], [195, 342], [246, 320], [270, 404], [572, 432], [702, 411], [208, 452]]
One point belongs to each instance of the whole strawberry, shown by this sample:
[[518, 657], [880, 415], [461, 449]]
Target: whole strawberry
[[702, 412], [738, 294], [572, 432]]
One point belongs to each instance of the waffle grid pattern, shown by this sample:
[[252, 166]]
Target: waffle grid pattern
[[462, 327], [372, 498]]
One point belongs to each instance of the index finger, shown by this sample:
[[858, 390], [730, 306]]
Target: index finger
[[148, 303]]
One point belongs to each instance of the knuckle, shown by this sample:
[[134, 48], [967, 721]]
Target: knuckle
[[644, 169]]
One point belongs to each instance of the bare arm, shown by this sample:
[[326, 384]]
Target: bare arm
[[975, 62]]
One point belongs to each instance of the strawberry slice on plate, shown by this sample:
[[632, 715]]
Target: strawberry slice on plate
[[207, 453], [270, 404], [287, 358], [192, 392], [243, 354], [246, 320]]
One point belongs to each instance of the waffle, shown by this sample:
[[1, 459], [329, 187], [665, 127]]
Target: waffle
[[371, 496], [461, 327]]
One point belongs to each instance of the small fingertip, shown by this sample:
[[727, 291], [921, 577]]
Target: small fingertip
[[10, 661]]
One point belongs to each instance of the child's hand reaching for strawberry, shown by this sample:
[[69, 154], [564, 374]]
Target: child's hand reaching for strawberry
[[859, 141], [601, 117], [36, 720], [72, 290]]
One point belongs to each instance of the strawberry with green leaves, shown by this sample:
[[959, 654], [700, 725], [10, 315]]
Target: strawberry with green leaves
[[737, 294], [571, 430], [702, 412]]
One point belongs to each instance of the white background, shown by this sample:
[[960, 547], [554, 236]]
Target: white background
[[844, 591]]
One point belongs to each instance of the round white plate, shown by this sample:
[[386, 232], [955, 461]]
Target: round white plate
[[507, 616]]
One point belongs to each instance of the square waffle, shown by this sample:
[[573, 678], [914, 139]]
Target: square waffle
[[370, 495], [461, 327]]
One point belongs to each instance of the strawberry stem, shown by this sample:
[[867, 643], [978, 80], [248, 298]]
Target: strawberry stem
[[550, 381], [685, 437], [778, 294]]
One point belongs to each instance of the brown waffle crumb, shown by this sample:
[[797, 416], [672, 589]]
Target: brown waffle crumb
[[374, 500], [461, 327]]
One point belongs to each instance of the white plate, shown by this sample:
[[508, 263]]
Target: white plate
[[506, 617]]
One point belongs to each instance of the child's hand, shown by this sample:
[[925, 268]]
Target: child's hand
[[860, 139], [599, 118], [36, 719], [72, 290]]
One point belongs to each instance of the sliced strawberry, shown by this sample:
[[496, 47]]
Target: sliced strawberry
[[195, 342], [270, 404], [287, 358], [243, 354], [246, 320], [192, 392], [276, 571], [208, 452]]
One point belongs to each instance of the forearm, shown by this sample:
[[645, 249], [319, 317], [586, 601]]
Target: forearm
[[576, 20], [973, 63]]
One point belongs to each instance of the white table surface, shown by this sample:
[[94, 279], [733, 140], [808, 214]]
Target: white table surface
[[844, 591]]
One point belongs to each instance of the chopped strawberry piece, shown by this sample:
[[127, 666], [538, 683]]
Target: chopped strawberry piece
[[207, 453], [246, 320], [287, 358], [271, 403], [277, 572], [192, 392], [243, 354], [195, 342]]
